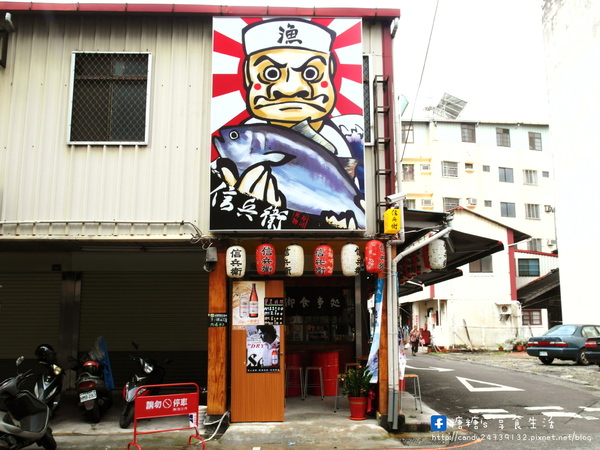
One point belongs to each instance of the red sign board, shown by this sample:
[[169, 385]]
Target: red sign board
[[149, 406]]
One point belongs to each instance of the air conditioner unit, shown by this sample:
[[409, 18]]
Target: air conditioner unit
[[548, 208], [425, 167], [551, 242], [472, 201], [426, 202]]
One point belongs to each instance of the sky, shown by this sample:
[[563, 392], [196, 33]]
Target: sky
[[486, 52]]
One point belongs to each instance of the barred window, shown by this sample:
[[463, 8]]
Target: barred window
[[110, 98], [449, 169], [408, 172], [451, 203]]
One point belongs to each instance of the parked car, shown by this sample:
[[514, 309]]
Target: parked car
[[592, 350], [565, 342]]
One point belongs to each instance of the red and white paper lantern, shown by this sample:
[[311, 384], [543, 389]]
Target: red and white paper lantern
[[350, 260], [293, 260], [323, 261], [374, 256], [265, 259], [235, 261]]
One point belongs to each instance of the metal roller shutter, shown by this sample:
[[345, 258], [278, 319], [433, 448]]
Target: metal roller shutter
[[29, 312], [164, 312]]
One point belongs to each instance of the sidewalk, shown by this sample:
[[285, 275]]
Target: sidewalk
[[309, 424]]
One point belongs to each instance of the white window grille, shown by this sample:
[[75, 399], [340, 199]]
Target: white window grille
[[450, 169]]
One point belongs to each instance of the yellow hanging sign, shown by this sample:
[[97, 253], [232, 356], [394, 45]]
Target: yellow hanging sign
[[392, 221]]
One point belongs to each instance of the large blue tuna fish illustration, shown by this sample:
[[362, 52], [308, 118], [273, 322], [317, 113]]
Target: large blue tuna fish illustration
[[309, 176]]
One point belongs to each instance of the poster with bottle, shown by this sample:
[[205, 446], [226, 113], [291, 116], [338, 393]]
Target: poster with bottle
[[262, 347], [247, 303]]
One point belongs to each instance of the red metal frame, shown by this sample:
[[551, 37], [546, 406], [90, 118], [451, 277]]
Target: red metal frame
[[167, 405]]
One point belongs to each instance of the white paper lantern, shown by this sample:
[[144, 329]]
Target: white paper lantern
[[235, 261], [350, 260], [293, 260], [437, 254]]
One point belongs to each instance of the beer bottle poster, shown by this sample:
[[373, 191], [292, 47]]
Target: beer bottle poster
[[262, 347], [248, 303]]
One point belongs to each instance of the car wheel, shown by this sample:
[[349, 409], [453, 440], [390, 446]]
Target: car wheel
[[582, 360], [546, 360]]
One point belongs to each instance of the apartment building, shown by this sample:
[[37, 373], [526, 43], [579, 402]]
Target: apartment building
[[503, 174]]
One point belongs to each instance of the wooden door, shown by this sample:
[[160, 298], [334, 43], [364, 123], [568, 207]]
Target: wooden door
[[257, 397]]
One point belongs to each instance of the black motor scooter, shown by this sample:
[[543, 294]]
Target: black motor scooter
[[23, 417], [146, 372], [92, 392], [49, 383]]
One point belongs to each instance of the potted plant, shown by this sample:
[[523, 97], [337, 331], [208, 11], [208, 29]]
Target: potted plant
[[356, 387], [521, 344]]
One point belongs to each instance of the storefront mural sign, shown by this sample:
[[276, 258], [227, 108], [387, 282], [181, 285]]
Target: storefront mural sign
[[262, 347], [287, 124]]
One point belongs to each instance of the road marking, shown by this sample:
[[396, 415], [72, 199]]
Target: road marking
[[488, 411], [588, 409], [492, 387], [540, 408], [438, 369], [500, 416], [563, 414]]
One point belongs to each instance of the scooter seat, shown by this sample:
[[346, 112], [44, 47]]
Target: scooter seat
[[31, 414]]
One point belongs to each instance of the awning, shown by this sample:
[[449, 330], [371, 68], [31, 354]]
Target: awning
[[462, 248]]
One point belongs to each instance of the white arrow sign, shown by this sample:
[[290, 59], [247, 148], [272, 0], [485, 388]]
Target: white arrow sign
[[437, 369], [491, 387]]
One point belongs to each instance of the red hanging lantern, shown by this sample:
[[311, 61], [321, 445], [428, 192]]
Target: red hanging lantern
[[323, 261], [265, 259], [375, 256]]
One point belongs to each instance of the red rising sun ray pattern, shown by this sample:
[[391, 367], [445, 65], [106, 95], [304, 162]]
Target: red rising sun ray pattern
[[229, 83]]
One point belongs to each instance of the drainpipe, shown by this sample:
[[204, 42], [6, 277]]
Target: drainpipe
[[392, 320]]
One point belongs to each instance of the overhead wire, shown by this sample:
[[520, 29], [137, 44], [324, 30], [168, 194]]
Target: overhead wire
[[410, 123]]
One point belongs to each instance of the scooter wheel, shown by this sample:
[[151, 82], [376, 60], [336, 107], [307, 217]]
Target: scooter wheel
[[126, 416], [47, 441], [93, 415]]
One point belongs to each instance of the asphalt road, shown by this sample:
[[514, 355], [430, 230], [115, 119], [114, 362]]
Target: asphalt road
[[508, 407]]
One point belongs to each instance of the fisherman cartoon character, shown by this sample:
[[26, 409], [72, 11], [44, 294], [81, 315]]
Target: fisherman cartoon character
[[290, 153]]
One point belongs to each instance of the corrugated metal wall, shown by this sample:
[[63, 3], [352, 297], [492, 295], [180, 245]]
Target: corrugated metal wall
[[44, 178]]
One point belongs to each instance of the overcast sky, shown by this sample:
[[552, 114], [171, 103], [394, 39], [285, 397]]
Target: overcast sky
[[486, 52]]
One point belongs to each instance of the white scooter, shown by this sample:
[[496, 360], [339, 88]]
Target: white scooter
[[23, 417]]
